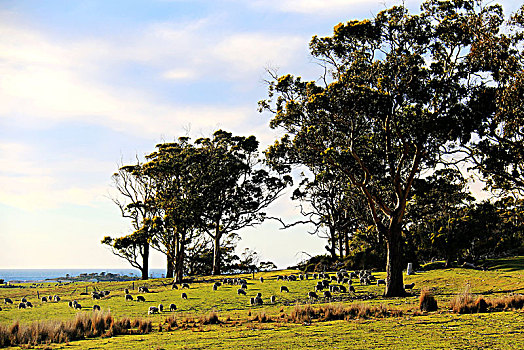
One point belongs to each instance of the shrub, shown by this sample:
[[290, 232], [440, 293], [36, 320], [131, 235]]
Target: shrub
[[210, 318], [427, 301]]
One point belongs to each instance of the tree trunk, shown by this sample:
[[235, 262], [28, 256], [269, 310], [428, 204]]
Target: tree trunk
[[332, 240], [145, 262], [346, 242], [216, 255], [394, 277], [340, 245], [179, 265], [170, 264]]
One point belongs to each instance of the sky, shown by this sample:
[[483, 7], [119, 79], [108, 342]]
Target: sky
[[88, 85]]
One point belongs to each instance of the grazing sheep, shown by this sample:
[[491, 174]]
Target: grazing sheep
[[70, 304], [259, 295], [301, 277], [327, 294], [261, 279], [0, 309], [152, 310], [43, 299], [185, 285], [381, 281], [96, 296], [23, 300], [126, 291], [21, 306], [342, 289], [56, 298], [105, 293], [129, 297], [143, 289], [174, 286], [172, 307], [409, 286], [334, 289], [28, 304], [319, 288], [77, 306], [273, 299], [258, 301], [314, 276], [284, 289], [312, 295], [326, 283], [334, 278], [251, 301], [215, 287], [352, 289], [353, 275], [241, 291], [306, 276], [279, 277], [244, 286], [96, 307], [184, 296], [161, 307], [7, 301], [140, 298]]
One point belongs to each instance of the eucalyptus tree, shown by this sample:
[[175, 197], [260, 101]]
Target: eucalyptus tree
[[235, 187], [400, 94], [135, 199]]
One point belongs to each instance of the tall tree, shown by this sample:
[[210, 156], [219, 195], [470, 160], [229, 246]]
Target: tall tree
[[235, 187], [400, 95], [135, 201]]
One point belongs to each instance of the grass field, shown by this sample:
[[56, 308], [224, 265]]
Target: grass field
[[239, 328]]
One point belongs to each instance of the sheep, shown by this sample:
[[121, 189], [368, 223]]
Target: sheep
[[301, 277], [161, 307], [334, 289], [185, 285], [70, 304], [241, 291], [23, 300], [381, 281], [261, 279], [279, 277], [143, 289], [273, 299], [77, 306], [352, 289], [129, 297], [306, 276], [0, 309], [174, 286], [319, 287], [312, 295], [126, 291], [172, 307], [215, 287], [327, 294], [184, 296], [342, 289], [105, 293], [96, 307], [284, 289], [7, 301], [409, 286], [152, 310], [259, 295], [353, 275], [258, 301], [326, 283], [21, 305], [334, 278], [56, 298], [244, 286], [28, 304], [43, 299], [140, 298], [95, 296], [314, 276]]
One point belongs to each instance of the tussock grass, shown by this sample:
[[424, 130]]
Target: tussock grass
[[210, 318], [465, 303], [84, 325], [330, 312], [427, 301]]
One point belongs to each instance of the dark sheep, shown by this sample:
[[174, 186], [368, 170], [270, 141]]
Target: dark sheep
[[7, 301], [327, 294], [244, 286], [96, 296], [215, 287], [319, 288], [352, 289], [185, 285], [284, 289], [409, 286], [152, 310], [0, 309], [312, 295], [184, 296], [129, 297], [28, 304], [174, 286], [326, 283], [172, 307], [143, 289], [273, 299], [23, 300], [258, 301], [77, 306], [43, 299], [259, 295], [96, 307], [140, 298], [126, 291], [261, 279], [381, 281], [56, 298], [252, 301], [70, 304], [161, 307], [21, 305], [342, 289], [241, 291], [279, 277]]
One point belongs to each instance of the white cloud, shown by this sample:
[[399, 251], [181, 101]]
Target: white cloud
[[316, 7]]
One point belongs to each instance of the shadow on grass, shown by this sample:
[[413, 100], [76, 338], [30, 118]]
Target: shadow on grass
[[508, 264]]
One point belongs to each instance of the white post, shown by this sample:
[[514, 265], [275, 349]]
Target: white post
[[410, 269]]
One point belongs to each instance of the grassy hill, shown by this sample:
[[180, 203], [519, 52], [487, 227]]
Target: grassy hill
[[398, 323]]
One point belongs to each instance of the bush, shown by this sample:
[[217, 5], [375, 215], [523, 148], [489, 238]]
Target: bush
[[427, 301]]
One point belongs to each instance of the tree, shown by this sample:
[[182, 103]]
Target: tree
[[400, 95], [235, 187], [499, 153], [135, 196]]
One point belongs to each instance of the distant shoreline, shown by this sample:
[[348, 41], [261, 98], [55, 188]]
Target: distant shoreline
[[72, 275]]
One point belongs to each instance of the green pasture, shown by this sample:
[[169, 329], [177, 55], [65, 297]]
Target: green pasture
[[441, 329]]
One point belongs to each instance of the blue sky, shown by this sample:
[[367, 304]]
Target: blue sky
[[87, 84]]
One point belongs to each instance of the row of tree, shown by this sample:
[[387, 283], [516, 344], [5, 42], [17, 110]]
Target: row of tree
[[187, 195], [404, 99]]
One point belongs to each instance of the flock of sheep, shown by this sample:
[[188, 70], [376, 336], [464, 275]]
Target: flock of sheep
[[328, 285]]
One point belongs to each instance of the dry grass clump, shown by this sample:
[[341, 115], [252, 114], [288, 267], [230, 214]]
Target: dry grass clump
[[427, 301], [262, 318], [84, 325], [464, 303], [210, 318], [330, 312]]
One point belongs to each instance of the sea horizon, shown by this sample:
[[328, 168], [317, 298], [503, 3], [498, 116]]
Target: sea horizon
[[31, 275]]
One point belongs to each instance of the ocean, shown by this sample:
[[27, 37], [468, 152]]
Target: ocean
[[30, 275]]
